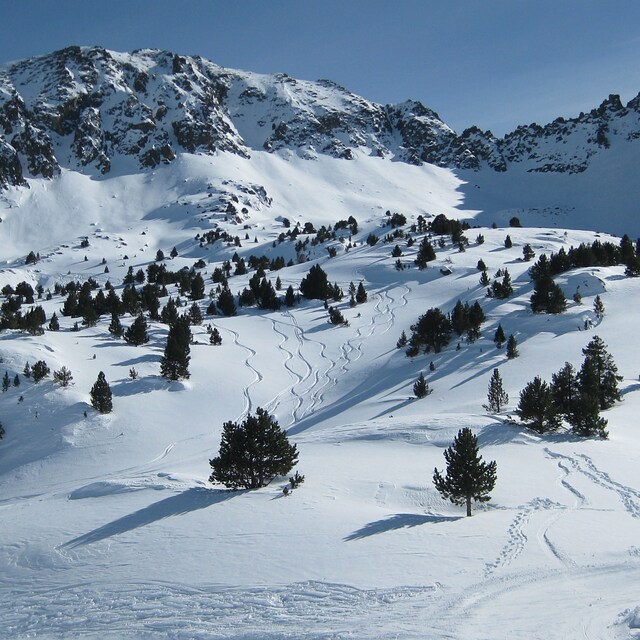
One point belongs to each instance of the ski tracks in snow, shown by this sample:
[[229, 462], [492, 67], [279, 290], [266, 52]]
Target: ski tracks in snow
[[583, 464], [310, 382], [257, 376]]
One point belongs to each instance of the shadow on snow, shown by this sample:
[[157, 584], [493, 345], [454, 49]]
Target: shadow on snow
[[190, 500], [397, 521]]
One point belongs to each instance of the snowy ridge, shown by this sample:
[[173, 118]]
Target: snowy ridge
[[91, 109]]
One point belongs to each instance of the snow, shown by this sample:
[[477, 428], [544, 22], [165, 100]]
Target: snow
[[110, 526]]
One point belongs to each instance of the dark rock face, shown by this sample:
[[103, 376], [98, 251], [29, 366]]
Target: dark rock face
[[89, 107]]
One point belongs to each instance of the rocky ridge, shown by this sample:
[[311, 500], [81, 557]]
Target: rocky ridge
[[89, 109]]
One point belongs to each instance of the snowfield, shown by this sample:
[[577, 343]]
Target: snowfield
[[110, 528]]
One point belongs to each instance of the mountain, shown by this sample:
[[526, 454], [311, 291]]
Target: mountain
[[88, 108], [118, 167]]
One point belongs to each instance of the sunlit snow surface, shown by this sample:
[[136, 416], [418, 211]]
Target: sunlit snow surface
[[109, 526]]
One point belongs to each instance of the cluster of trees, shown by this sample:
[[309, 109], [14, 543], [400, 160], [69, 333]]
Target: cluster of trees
[[576, 397], [433, 329]]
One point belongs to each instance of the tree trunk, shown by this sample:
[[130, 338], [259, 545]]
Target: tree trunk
[[468, 506]]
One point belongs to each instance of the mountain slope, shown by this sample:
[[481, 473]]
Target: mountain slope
[[110, 526]]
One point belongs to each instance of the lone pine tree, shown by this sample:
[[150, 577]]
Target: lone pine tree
[[497, 397], [101, 397], [175, 362], [467, 477], [421, 387], [253, 453]]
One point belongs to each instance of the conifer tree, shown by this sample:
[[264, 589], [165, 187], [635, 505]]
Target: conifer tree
[[6, 382], [564, 386], [512, 347], [289, 297], [62, 377], [100, 394], [361, 294], [54, 323], [537, 406], [253, 453], [598, 308], [498, 337], [195, 315], [508, 242], [497, 397], [433, 331], [16, 380], [226, 303], [175, 362], [315, 284], [528, 253], [467, 476], [215, 338], [402, 341], [40, 370], [421, 388], [137, 334], [585, 419], [598, 376], [115, 326], [426, 253]]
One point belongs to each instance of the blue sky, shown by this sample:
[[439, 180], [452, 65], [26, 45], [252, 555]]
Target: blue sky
[[494, 63]]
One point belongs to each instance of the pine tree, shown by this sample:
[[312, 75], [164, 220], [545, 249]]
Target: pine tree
[[315, 284], [421, 388], [115, 326], [512, 347], [402, 341], [497, 397], [564, 387], [226, 303], [433, 330], [598, 376], [6, 382], [27, 371], [253, 453], [467, 477], [508, 242], [195, 315], [585, 419], [137, 334], [62, 377], [528, 253], [101, 397], [484, 279], [54, 323], [16, 380], [498, 337], [361, 294], [537, 406], [598, 308], [40, 370], [426, 253], [175, 362], [289, 297]]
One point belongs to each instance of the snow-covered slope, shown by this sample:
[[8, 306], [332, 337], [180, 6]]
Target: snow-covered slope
[[110, 526]]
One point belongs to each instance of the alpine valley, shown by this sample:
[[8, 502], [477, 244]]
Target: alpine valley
[[133, 182]]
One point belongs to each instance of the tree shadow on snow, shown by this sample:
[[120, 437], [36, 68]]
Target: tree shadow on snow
[[397, 521], [190, 500]]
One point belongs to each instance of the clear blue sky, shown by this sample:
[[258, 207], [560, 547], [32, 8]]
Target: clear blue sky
[[494, 63]]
